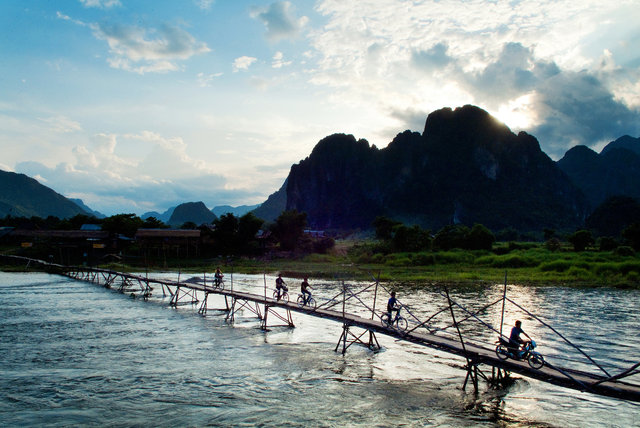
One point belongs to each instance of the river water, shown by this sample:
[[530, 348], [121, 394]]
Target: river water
[[78, 354]]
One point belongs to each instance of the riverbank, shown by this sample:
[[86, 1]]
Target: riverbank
[[529, 264]]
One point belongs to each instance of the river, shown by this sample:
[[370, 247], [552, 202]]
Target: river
[[78, 354]]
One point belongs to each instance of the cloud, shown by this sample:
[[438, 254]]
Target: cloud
[[204, 80], [162, 175], [204, 4], [578, 108], [243, 63], [143, 50], [102, 4], [280, 21], [278, 60], [535, 64], [61, 124]]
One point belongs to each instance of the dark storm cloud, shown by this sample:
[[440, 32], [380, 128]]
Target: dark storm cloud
[[514, 73], [577, 108]]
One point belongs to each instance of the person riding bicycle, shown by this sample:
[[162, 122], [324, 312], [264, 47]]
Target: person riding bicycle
[[281, 287], [304, 288], [217, 277], [392, 305], [515, 341]]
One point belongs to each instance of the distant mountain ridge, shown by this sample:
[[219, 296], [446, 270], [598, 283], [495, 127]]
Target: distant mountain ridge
[[81, 204], [466, 167], [195, 212], [238, 211], [612, 172], [23, 196]]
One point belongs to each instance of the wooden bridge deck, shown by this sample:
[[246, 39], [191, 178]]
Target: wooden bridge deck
[[564, 377]]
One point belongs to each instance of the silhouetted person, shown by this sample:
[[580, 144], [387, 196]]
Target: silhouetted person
[[514, 338], [392, 305], [280, 285], [304, 288]]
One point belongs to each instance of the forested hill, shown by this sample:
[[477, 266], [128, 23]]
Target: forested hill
[[22, 196], [466, 167]]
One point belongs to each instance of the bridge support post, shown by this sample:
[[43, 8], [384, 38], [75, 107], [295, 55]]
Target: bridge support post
[[287, 319], [348, 338], [203, 306]]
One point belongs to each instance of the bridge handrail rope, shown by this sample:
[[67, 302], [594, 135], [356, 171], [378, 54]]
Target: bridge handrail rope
[[472, 315], [559, 334], [336, 302], [423, 323], [629, 372]]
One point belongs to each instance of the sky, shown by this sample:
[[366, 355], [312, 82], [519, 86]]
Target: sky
[[140, 105]]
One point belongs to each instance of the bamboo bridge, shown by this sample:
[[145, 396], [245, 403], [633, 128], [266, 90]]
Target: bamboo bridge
[[361, 328]]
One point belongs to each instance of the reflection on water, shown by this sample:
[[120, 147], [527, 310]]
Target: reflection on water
[[78, 354]]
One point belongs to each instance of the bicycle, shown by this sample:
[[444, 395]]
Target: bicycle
[[398, 322], [218, 283], [281, 295], [309, 301]]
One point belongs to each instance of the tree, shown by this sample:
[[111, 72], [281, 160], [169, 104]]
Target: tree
[[632, 235], [153, 223], [225, 233], [412, 238], [188, 225], [289, 228], [248, 227], [451, 236], [125, 224], [480, 238], [581, 240], [384, 227]]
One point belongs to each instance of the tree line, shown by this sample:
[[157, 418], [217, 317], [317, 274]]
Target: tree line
[[227, 235]]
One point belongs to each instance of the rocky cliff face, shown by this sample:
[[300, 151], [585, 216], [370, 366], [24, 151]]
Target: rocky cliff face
[[466, 167]]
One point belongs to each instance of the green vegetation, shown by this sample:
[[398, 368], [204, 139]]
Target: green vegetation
[[405, 254]]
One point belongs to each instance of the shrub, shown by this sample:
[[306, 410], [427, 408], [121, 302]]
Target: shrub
[[624, 251], [399, 261], [581, 240], [556, 265], [607, 243], [453, 257], [424, 259], [578, 272], [553, 244], [515, 261]]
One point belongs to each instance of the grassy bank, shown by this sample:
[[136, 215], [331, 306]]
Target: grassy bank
[[529, 264], [526, 264]]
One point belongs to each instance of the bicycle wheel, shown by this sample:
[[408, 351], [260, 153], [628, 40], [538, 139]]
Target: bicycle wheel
[[283, 295], [385, 319], [402, 324], [221, 285], [502, 352], [311, 303], [536, 360], [300, 300]]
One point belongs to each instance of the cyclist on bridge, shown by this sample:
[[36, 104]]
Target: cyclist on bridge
[[218, 277], [280, 285], [392, 305], [304, 288]]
